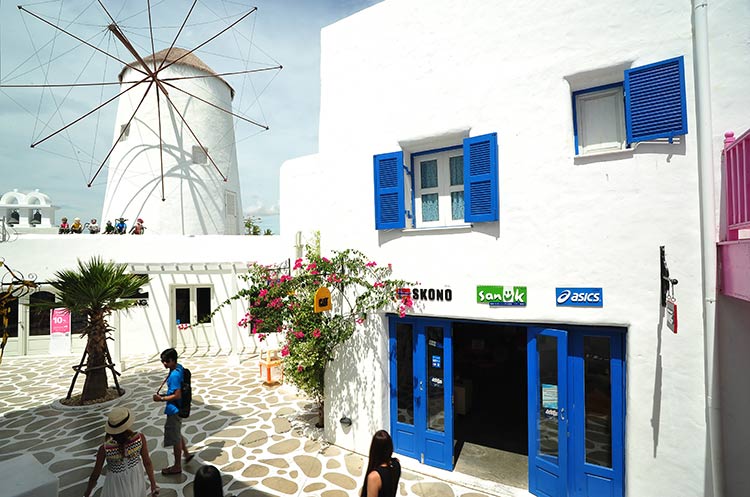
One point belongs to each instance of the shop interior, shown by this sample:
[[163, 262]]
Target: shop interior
[[490, 402]]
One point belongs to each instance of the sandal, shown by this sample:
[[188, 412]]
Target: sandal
[[189, 457], [171, 471]]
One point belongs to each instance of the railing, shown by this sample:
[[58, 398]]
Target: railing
[[737, 174], [734, 247]]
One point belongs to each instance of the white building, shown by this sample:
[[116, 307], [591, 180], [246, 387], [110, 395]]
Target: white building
[[550, 149], [480, 145], [196, 189]]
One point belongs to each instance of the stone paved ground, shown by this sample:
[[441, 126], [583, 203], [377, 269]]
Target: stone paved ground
[[261, 438]]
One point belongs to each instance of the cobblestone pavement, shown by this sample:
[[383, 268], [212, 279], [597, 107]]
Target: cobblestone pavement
[[262, 438]]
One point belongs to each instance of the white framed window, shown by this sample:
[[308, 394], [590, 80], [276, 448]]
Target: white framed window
[[649, 104], [453, 186], [439, 188], [600, 119]]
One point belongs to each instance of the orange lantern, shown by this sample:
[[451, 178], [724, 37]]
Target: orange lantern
[[271, 368]]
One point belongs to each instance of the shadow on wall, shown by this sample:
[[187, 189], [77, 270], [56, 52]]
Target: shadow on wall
[[356, 396], [656, 406], [732, 351]]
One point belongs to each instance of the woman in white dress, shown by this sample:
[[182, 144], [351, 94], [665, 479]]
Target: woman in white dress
[[126, 454]]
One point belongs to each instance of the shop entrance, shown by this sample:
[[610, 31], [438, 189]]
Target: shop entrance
[[490, 402]]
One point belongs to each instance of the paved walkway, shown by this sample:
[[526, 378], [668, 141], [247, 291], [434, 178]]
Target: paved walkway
[[262, 438]]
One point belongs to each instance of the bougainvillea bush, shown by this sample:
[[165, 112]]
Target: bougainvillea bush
[[284, 303]]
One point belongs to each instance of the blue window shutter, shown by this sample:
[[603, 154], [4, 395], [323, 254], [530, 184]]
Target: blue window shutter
[[481, 179], [655, 101], [389, 191]]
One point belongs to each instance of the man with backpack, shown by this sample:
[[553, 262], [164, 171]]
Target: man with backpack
[[178, 407]]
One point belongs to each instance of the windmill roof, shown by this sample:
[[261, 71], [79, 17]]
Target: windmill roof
[[190, 60]]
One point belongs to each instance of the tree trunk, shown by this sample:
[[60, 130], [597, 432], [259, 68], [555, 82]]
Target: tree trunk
[[95, 386]]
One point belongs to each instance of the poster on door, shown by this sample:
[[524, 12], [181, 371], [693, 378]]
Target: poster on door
[[549, 400], [59, 331]]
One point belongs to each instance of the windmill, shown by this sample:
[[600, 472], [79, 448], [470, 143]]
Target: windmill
[[173, 160]]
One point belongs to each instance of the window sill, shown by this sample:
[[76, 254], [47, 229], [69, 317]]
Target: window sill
[[451, 228], [606, 153]]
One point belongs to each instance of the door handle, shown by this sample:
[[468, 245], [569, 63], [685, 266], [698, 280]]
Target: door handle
[[562, 414], [421, 386]]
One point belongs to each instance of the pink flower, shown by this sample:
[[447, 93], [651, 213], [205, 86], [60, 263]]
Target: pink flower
[[298, 264], [324, 259], [371, 264], [263, 293], [378, 284], [299, 367], [316, 333], [284, 351], [401, 312], [360, 320], [299, 334], [261, 336], [285, 278], [311, 266], [389, 266]]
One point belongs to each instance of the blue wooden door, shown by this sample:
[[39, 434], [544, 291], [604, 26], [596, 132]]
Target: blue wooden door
[[421, 390], [547, 355], [597, 414]]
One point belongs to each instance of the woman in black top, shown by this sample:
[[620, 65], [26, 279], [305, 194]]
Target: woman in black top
[[383, 471]]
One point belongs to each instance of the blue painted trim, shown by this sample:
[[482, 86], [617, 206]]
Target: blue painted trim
[[683, 130], [436, 150], [574, 97], [398, 189], [493, 209]]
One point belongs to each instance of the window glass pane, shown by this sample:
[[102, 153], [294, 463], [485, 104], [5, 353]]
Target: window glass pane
[[428, 173], [203, 297], [182, 305], [597, 384], [546, 347], [39, 318], [77, 323], [457, 170], [457, 205], [435, 390], [430, 207], [600, 120], [12, 315], [405, 373]]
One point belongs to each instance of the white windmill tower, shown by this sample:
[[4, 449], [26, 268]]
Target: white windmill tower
[[174, 163]]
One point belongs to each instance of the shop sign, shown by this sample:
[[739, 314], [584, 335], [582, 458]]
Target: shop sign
[[59, 328], [579, 297], [426, 294], [322, 299], [501, 296]]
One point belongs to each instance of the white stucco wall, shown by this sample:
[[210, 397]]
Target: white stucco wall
[[194, 193], [170, 261], [404, 71]]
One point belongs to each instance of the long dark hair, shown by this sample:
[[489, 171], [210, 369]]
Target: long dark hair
[[121, 438], [207, 482], [381, 450]]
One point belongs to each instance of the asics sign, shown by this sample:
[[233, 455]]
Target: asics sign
[[579, 297]]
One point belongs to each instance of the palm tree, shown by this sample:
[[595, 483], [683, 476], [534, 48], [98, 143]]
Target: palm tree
[[96, 289]]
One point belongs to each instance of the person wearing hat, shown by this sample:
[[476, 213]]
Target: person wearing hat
[[77, 227], [126, 454], [121, 228], [138, 227]]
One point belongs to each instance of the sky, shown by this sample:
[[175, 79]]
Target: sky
[[281, 32]]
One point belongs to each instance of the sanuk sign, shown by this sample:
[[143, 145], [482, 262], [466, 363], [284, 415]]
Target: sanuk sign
[[500, 296]]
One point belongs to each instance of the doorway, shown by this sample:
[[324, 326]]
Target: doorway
[[490, 402]]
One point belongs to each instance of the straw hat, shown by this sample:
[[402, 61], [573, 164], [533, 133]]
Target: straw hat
[[119, 420]]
